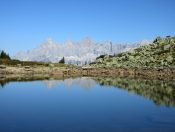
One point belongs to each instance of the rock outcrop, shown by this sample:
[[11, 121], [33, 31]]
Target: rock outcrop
[[158, 55]]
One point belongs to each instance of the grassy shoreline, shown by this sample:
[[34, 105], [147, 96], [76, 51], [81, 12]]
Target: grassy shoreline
[[68, 71]]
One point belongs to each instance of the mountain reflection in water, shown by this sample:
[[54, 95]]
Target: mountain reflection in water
[[84, 82], [161, 92]]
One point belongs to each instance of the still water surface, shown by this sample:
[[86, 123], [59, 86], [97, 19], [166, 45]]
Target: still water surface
[[87, 105]]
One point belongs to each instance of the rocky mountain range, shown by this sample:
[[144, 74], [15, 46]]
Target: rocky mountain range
[[159, 54], [84, 51]]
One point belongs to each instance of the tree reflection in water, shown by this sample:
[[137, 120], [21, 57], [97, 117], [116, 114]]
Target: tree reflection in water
[[161, 92]]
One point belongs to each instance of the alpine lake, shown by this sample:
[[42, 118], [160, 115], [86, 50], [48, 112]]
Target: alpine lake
[[86, 104]]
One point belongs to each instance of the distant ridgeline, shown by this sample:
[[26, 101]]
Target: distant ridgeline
[[159, 54]]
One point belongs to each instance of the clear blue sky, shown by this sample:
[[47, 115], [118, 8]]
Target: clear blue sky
[[24, 24]]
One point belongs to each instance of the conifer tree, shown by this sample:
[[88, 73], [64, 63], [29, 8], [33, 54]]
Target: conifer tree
[[62, 61], [4, 55]]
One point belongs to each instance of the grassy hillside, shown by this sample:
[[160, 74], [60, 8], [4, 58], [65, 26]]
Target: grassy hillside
[[159, 54], [8, 62]]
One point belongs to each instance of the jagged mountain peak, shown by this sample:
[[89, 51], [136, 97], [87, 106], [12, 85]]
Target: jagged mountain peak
[[68, 43], [79, 52], [87, 41], [48, 43]]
